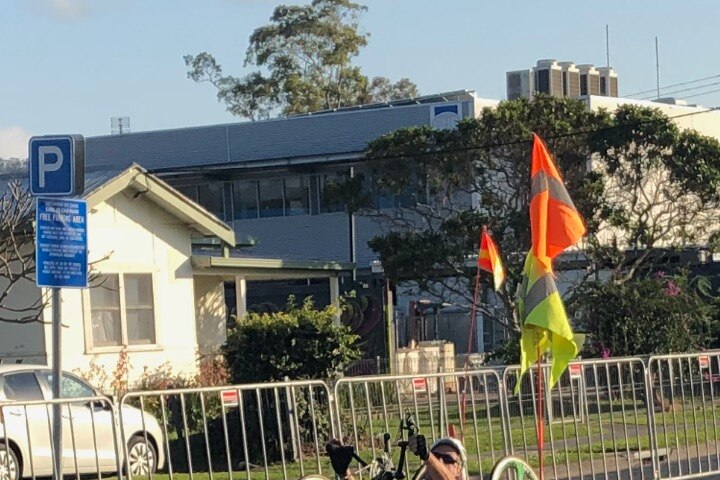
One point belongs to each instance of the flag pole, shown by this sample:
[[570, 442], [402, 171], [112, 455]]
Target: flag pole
[[541, 413], [473, 322]]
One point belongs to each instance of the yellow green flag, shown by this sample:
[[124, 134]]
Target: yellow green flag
[[545, 324]]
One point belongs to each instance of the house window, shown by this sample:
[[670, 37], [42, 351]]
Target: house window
[[122, 310], [297, 196], [271, 197]]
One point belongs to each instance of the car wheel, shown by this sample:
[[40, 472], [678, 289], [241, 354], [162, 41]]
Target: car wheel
[[142, 457], [9, 465]]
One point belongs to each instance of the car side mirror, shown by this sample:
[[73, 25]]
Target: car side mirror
[[103, 405]]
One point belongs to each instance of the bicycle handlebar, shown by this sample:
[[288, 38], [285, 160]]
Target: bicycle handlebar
[[341, 456]]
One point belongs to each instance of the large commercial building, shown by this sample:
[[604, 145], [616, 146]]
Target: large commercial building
[[267, 179], [562, 79]]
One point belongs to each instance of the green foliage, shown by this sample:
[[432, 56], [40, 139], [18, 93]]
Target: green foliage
[[639, 183], [653, 315], [299, 343], [304, 56]]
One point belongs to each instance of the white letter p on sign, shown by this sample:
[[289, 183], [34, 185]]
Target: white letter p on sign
[[43, 152]]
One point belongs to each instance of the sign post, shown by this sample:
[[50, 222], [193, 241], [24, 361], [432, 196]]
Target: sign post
[[57, 169]]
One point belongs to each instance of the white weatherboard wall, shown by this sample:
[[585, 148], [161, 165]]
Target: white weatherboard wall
[[21, 341], [210, 313], [139, 237]]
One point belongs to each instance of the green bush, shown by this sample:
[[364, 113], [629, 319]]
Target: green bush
[[299, 343], [655, 315]]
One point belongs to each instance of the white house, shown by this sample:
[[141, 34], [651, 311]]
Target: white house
[[149, 293]]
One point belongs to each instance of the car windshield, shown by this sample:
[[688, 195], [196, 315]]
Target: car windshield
[[70, 386]]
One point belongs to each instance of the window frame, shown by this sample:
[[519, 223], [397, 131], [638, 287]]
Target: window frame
[[90, 346], [235, 193], [220, 186], [304, 179], [281, 181]]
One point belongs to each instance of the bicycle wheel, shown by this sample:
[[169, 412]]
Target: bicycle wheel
[[419, 473], [512, 468]]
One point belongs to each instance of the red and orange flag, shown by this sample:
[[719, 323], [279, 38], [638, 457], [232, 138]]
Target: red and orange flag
[[554, 221], [489, 259]]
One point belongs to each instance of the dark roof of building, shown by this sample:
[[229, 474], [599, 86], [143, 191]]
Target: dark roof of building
[[339, 132], [93, 179]]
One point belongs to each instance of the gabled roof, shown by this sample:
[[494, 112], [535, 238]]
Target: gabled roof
[[155, 190]]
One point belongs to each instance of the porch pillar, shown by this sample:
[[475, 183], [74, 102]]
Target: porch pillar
[[240, 297], [335, 295]]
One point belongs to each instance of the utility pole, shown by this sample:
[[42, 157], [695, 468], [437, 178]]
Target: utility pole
[[657, 66]]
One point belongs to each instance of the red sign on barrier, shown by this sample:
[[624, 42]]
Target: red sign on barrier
[[419, 385], [575, 370], [704, 361], [230, 398]]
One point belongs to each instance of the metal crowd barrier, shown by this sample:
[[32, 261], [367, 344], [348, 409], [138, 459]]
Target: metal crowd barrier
[[468, 404], [685, 416], [90, 438], [255, 431], [595, 420], [630, 418]]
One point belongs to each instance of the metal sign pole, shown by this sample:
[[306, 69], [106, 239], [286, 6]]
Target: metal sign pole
[[57, 375], [56, 167]]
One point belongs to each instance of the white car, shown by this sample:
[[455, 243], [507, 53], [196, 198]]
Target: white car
[[88, 445]]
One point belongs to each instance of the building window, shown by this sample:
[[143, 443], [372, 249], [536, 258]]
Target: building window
[[327, 203], [271, 197], [384, 199], [190, 191], [211, 196], [583, 84], [297, 196], [122, 310], [245, 199], [543, 81]]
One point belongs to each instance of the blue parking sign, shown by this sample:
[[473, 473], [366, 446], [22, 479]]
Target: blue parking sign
[[61, 243], [57, 165]]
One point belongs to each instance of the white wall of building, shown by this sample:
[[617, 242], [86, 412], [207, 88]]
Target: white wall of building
[[138, 237], [21, 341], [685, 116], [210, 313]]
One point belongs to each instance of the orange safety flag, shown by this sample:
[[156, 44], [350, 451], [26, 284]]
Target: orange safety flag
[[555, 225], [489, 259], [554, 220]]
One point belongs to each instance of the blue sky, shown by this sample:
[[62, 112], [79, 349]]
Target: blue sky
[[70, 65]]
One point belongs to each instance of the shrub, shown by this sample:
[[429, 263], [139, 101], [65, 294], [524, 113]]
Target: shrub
[[655, 315], [299, 343]]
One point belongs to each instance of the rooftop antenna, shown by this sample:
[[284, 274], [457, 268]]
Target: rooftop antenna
[[657, 66], [607, 44], [119, 125]]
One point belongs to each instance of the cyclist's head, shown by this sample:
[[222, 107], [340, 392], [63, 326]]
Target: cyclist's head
[[452, 453]]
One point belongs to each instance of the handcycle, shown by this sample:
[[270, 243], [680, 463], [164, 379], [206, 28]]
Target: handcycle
[[382, 467]]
